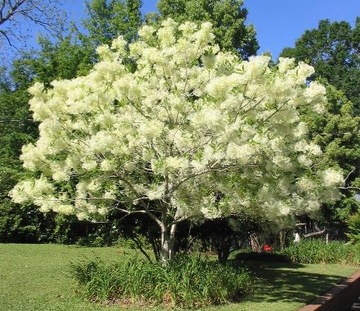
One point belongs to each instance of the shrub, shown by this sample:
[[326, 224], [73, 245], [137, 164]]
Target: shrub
[[187, 281], [354, 228], [317, 251], [255, 256], [314, 251]]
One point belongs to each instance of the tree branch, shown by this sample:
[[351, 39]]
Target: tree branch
[[140, 247], [350, 188], [2, 9], [348, 175], [8, 40], [314, 233], [12, 10]]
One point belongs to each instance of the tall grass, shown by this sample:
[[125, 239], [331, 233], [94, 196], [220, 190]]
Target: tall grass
[[317, 251], [187, 281]]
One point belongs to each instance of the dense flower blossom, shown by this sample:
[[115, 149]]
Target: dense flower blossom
[[189, 121]]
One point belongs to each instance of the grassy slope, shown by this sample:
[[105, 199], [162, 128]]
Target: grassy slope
[[36, 277]]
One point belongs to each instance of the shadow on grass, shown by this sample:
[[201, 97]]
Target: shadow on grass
[[281, 281]]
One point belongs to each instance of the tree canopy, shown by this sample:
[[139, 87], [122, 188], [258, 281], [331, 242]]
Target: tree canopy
[[192, 132], [107, 19], [65, 56], [333, 49], [227, 17]]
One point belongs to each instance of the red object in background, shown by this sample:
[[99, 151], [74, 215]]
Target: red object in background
[[267, 248]]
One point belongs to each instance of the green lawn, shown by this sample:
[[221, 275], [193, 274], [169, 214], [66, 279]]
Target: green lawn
[[36, 277]]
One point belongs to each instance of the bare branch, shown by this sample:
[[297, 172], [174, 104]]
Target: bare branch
[[141, 248], [314, 233], [350, 188], [348, 175], [345, 182], [2, 9], [8, 39], [13, 9], [14, 14], [143, 211]]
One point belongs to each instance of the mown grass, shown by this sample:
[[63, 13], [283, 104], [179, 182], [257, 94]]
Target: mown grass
[[37, 277]]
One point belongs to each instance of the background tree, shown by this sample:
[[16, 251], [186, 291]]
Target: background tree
[[63, 59], [193, 132], [68, 55], [228, 19], [17, 129], [108, 19], [17, 17], [333, 49]]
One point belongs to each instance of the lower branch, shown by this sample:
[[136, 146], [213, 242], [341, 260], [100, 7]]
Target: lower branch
[[140, 247]]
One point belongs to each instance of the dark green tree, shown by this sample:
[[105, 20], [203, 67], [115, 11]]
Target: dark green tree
[[227, 16], [108, 19], [333, 49], [16, 127], [337, 132], [63, 59]]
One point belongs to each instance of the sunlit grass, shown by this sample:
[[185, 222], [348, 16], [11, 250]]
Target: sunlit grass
[[36, 277]]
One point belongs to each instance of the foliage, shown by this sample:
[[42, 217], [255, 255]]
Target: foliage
[[228, 19], [192, 133], [224, 235], [107, 19], [318, 251], [186, 282], [333, 50], [23, 225], [354, 228]]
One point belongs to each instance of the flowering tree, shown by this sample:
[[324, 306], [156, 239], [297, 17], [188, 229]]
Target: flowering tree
[[191, 132]]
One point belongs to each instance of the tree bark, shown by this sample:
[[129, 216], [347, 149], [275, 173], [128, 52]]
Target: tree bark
[[254, 243], [167, 243]]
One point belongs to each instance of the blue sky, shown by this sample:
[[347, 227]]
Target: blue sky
[[279, 22]]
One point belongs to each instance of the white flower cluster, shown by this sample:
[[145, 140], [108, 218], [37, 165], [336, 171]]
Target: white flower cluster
[[190, 121], [332, 178]]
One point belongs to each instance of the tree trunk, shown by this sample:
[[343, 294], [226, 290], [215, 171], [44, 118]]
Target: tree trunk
[[167, 243], [282, 238], [254, 243], [222, 246]]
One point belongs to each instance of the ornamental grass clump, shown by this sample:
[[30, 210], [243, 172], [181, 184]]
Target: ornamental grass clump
[[187, 282], [318, 251]]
